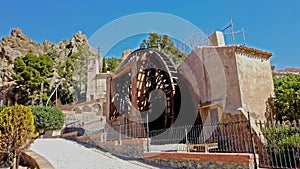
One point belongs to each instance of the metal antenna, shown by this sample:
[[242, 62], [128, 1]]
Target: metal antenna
[[232, 31], [244, 38]]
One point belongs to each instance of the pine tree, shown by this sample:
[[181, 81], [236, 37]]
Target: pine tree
[[30, 73]]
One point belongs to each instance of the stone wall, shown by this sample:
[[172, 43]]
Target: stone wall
[[235, 78], [256, 83], [90, 122], [212, 74], [82, 117], [100, 85], [132, 148], [137, 148], [202, 160]]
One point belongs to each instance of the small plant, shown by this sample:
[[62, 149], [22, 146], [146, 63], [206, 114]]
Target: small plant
[[282, 141], [17, 132], [1, 108], [78, 110], [283, 136]]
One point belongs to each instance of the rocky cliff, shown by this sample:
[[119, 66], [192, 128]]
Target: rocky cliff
[[18, 44]]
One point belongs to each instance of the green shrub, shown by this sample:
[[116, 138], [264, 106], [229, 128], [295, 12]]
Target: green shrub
[[283, 136], [291, 141], [47, 118], [282, 140], [17, 132], [1, 108], [78, 110]]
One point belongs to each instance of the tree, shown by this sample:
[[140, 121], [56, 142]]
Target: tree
[[17, 132], [74, 71], [104, 69], [65, 70], [47, 118], [31, 72], [286, 104], [166, 44], [112, 63]]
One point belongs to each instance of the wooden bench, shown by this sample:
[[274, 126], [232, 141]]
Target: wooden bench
[[203, 146]]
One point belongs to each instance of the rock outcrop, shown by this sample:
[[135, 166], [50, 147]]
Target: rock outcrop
[[18, 44]]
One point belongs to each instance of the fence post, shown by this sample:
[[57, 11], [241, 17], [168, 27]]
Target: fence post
[[105, 134], [120, 134], [186, 139], [252, 142], [126, 129], [147, 132]]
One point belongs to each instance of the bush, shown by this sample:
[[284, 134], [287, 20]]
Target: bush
[[286, 104], [282, 141], [17, 132], [78, 110], [291, 141], [283, 136], [1, 108], [47, 118]]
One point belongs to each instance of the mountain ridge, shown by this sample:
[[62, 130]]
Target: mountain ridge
[[18, 44]]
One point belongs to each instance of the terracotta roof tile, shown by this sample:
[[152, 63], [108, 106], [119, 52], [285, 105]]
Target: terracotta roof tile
[[254, 51]]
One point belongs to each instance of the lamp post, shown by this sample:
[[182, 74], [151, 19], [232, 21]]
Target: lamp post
[[55, 90]]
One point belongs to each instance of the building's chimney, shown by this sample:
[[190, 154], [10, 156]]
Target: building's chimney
[[217, 39]]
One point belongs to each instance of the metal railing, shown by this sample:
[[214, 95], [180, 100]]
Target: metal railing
[[282, 148], [278, 145], [222, 137]]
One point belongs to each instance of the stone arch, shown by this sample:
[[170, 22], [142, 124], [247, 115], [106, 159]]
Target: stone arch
[[86, 109], [98, 108]]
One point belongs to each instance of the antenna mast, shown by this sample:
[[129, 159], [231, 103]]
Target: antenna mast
[[233, 33]]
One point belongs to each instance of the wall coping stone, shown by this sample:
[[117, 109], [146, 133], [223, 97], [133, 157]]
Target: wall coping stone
[[215, 157]]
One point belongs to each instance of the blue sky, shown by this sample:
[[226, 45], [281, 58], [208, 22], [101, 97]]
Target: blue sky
[[270, 25]]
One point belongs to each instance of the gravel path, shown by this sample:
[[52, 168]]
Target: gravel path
[[64, 154]]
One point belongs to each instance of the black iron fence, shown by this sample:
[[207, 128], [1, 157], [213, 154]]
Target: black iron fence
[[281, 144], [276, 144], [223, 137]]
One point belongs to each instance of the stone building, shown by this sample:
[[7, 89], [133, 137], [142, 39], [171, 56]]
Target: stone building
[[96, 85], [281, 73], [96, 81], [228, 81]]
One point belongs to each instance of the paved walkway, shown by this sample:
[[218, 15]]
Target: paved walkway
[[64, 154]]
